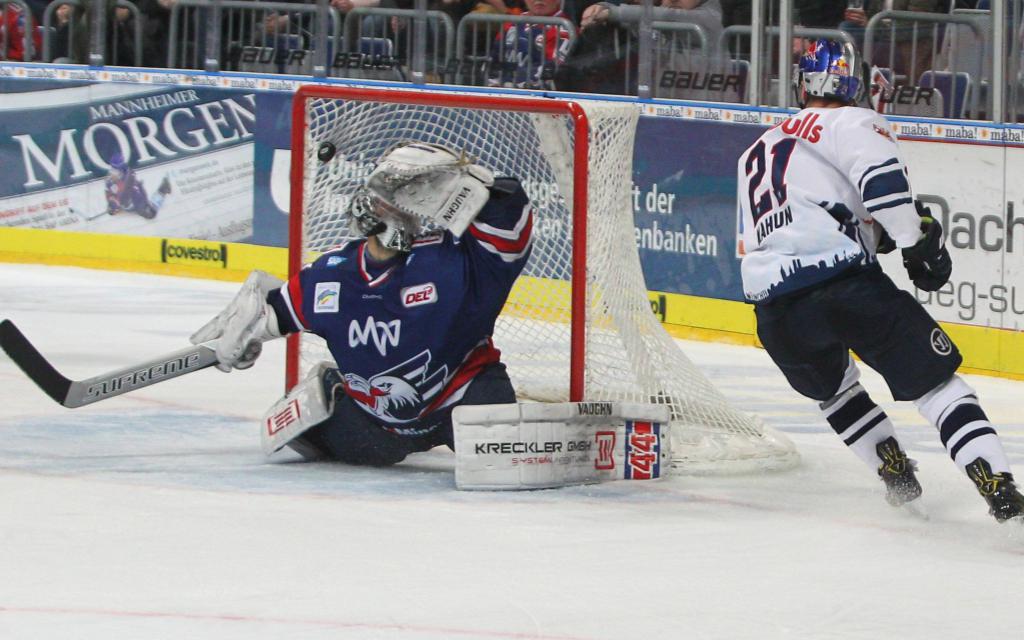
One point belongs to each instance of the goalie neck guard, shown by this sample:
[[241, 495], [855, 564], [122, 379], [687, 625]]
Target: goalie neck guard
[[828, 69]]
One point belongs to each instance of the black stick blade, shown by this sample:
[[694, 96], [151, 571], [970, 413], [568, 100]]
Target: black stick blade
[[35, 366]]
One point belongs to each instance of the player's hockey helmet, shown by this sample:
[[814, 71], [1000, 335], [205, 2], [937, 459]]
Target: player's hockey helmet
[[118, 163], [829, 69]]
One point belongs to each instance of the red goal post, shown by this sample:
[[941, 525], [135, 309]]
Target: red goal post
[[578, 323]]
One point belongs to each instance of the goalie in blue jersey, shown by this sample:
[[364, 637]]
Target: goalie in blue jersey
[[407, 311]]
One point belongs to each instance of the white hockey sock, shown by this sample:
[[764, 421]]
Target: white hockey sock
[[860, 423], [963, 426]]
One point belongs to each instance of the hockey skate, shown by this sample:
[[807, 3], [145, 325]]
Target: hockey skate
[[897, 472], [165, 186], [998, 489]]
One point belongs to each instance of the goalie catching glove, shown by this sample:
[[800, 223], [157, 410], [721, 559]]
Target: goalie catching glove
[[244, 325], [439, 187], [928, 263]]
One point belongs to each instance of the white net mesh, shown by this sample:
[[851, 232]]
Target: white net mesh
[[628, 355]]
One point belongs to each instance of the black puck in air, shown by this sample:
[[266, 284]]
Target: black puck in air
[[325, 152]]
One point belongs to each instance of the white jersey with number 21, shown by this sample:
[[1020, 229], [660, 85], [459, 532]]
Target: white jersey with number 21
[[810, 191]]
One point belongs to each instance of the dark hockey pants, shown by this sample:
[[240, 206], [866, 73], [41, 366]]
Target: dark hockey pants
[[352, 436], [809, 335]]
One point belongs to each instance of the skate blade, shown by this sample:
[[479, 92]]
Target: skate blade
[[1015, 527], [915, 509]]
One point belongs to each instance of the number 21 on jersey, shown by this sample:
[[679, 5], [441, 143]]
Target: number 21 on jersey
[[766, 176]]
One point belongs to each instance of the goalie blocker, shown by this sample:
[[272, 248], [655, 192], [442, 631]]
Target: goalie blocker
[[544, 445]]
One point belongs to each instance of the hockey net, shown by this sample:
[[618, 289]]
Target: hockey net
[[578, 325]]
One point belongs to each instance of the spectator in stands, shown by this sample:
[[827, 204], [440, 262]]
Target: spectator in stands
[[38, 8], [599, 62], [74, 31], [156, 16], [527, 55], [458, 9], [706, 14], [817, 14], [913, 51], [14, 24]]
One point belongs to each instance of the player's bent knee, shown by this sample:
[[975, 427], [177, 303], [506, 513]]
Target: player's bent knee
[[932, 404], [491, 386]]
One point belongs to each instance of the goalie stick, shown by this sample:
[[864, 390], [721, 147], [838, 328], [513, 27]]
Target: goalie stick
[[78, 393]]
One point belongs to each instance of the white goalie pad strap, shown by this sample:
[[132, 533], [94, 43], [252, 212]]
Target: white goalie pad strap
[[302, 408], [544, 445]]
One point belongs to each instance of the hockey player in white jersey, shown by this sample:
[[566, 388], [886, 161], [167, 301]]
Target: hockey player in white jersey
[[820, 195]]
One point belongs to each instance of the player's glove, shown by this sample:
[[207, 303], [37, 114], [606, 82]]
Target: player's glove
[[928, 263], [244, 325], [885, 243]]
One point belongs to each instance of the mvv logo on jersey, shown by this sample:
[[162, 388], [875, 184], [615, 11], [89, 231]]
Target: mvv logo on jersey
[[381, 334], [326, 297], [419, 294]]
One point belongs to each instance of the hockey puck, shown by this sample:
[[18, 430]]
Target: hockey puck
[[325, 152]]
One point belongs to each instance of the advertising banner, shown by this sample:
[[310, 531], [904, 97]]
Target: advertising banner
[[967, 187], [128, 159], [272, 169], [684, 203], [207, 157]]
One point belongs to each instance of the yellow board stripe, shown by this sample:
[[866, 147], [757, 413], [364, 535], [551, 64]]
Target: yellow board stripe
[[167, 256], [986, 350]]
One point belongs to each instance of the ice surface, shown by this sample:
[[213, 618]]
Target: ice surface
[[155, 515]]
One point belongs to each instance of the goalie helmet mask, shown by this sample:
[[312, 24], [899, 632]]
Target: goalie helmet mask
[[828, 69], [366, 221]]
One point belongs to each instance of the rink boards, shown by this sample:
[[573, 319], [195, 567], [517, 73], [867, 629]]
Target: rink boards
[[222, 143]]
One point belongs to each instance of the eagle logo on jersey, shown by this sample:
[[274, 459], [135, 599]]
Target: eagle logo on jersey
[[398, 394]]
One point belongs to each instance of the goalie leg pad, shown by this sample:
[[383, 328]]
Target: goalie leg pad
[[305, 406], [545, 445]]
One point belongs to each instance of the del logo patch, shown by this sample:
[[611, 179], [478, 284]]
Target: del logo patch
[[419, 294], [326, 298]]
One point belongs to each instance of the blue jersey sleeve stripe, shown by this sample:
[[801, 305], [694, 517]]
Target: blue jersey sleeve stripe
[[284, 318], [890, 204], [293, 300], [889, 162], [885, 184]]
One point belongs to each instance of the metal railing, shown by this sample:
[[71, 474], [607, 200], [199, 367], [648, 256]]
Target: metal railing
[[241, 35], [1012, 68], [88, 19], [913, 53], [381, 42], [971, 61]]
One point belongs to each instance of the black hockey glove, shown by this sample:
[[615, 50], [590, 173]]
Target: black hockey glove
[[885, 243], [928, 263]]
